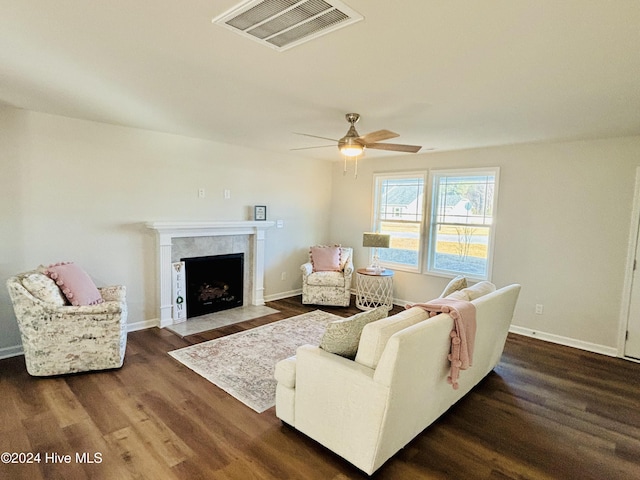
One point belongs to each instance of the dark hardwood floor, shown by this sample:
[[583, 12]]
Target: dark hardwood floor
[[546, 412]]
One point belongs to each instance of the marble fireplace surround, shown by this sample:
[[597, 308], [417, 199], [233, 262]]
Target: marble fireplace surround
[[177, 240]]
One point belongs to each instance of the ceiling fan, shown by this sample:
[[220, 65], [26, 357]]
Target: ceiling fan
[[353, 144]]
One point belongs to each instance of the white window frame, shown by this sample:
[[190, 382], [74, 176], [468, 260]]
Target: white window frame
[[430, 239], [377, 179]]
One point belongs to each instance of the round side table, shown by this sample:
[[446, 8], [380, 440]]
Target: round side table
[[374, 289]]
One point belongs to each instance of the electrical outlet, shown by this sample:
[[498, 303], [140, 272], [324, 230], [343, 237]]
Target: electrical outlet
[[539, 309], [201, 193], [283, 276], [227, 194]]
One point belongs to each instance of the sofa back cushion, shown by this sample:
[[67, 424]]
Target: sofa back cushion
[[479, 289], [376, 334]]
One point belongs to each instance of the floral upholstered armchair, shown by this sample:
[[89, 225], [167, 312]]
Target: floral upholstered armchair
[[326, 277], [58, 337]]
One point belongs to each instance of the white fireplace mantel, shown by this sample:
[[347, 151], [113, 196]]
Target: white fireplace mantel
[[167, 231]]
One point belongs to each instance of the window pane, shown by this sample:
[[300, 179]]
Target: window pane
[[462, 249], [399, 213], [401, 199], [404, 245], [465, 199], [462, 219]]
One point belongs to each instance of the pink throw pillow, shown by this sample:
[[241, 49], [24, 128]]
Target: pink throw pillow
[[325, 259], [74, 282]]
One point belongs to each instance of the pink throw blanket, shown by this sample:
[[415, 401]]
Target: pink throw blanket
[[462, 336]]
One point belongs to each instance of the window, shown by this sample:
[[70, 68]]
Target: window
[[463, 204], [399, 204]]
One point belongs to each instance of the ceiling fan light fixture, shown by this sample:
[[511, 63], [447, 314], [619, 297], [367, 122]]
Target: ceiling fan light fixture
[[349, 147]]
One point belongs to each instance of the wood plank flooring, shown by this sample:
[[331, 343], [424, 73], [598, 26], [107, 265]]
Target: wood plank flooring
[[546, 412]]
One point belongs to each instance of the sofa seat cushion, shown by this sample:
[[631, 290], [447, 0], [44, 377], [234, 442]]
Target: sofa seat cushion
[[285, 372], [342, 337], [326, 279], [375, 335]]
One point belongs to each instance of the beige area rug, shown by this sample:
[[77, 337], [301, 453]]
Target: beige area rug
[[242, 364]]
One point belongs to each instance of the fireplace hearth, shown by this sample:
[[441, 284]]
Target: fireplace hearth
[[214, 283]]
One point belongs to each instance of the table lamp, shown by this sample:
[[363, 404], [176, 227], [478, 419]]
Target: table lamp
[[375, 241]]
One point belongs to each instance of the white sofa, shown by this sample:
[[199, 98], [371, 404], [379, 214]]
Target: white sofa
[[367, 409]]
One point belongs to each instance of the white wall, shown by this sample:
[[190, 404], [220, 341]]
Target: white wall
[[563, 223], [78, 190], [74, 190]]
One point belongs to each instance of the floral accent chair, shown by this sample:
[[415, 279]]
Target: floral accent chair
[[326, 277], [59, 338]]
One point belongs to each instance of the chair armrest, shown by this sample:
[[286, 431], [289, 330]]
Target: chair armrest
[[348, 267], [115, 293], [98, 309], [306, 268]]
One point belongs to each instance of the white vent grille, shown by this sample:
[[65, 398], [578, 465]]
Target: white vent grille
[[282, 24]]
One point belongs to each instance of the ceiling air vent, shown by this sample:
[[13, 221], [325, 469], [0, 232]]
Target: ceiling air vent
[[282, 24]]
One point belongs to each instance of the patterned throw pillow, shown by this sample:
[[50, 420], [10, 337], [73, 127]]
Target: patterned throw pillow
[[454, 285], [325, 259], [74, 282], [342, 336], [43, 288]]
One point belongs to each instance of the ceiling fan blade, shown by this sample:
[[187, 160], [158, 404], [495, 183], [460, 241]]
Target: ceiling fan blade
[[307, 148], [316, 136], [377, 136], [395, 147]]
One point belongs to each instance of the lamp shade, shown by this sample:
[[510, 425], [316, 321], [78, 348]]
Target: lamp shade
[[376, 240]]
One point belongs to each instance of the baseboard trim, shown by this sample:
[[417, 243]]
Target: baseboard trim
[[281, 295], [8, 352], [566, 341], [134, 327]]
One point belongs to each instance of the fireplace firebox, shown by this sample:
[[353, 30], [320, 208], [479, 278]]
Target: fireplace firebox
[[214, 283]]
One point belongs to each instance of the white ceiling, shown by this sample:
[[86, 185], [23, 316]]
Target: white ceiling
[[445, 74]]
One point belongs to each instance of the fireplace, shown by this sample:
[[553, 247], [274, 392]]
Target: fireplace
[[229, 234], [214, 283]]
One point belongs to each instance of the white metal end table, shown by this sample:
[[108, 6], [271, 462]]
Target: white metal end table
[[374, 289]]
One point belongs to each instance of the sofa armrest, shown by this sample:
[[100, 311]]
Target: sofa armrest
[[113, 293], [339, 404], [306, 268]]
